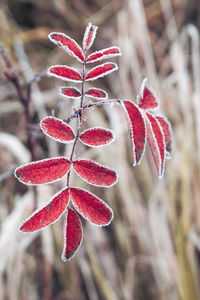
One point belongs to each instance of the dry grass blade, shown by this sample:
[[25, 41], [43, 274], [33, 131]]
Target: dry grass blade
[[151, 249]]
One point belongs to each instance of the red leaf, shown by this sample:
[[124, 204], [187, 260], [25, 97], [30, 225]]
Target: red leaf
[[70, 92], [73, 234], [48, 213], [156, 141], [95, 173], [57, 129], [96, 93], [97, 137], [167, 130], [101, 71], [103, 54], [137, 130], [68, 44], [147, 99], [65, 73], [43, 171], [89, 36], [91, 207]]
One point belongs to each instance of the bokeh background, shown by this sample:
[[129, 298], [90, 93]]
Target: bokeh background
[[151, 250]]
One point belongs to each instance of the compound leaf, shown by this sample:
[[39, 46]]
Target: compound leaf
[[137, 129], [68, 44], [91, 207], [156, 141], [103, 54], [101, 71], [43, 171], [65, 73], [57, 129], [97, 136], [73, 234], [47, 214], [94, 173], [89, 36]]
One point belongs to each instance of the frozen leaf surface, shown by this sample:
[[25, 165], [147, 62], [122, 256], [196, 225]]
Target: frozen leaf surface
[[89, 36], [95, 173], [103, 54], [167, 130], [47, 214], [97, 136], [57, 129], [96, 93], [65, 73], [91, 207], [156, 141], [70, 92], [68, 44], [43, 171], [101, 71], [73, 234], [137, 129], [147, 99]]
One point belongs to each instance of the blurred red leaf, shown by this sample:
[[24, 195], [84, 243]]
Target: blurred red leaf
[[167, 130], [156, 141], [73, 234], [89, 36], [97, 137], [101, 71], [57, 129], [70, 92], [91, 207], [65, 73], [96, 93], [43, 171], [103, 54], [68, 44], [147, 99], [47, 214], [95, 173], [137, 130]]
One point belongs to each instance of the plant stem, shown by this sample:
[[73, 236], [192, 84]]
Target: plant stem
[[79, 117], [91, 105]]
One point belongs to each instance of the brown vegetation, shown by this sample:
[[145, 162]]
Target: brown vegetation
[[151, 250]]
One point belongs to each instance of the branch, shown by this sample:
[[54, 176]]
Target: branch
[[92, 105]]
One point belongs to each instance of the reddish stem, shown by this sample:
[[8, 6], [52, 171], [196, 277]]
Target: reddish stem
[[79, 117], [92, 105]]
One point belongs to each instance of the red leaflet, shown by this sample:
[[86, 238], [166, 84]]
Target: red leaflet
[[70, 92], [57, 129], [68, 44], [147, 100], [101, 71], [167, 130], [65, 73], [47, 214], [96, 93], [97, 136], [43, 171], [95, 173], [156, 141], [89, 36], [103, 54], [73, 234], [91, 207], [137, 130]]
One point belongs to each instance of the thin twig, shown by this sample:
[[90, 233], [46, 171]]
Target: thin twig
[[79, 117], [92, 105]]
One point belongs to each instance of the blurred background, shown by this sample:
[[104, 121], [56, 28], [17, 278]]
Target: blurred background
[[151, 250]]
